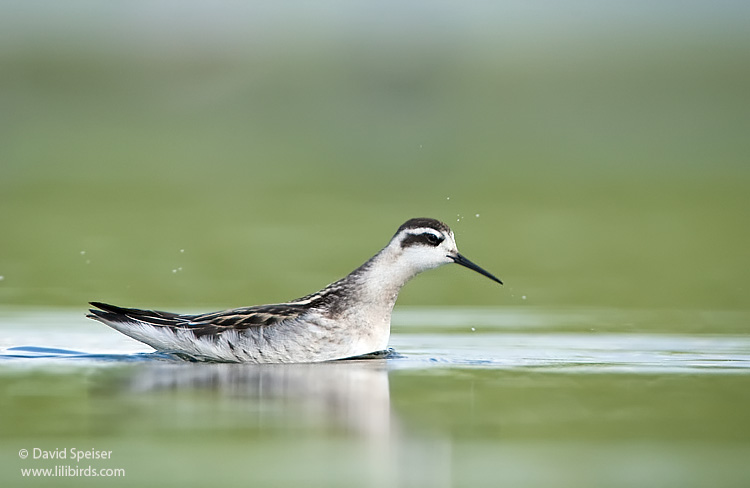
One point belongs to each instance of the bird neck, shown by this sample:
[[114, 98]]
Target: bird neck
[[379, 280]]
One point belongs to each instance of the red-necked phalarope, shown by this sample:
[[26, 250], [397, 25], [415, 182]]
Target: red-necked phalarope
[[348, 318]]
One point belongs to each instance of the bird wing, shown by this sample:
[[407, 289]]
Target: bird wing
[[200, 324]]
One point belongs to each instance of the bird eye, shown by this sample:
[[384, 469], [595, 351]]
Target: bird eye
[[432, 239]]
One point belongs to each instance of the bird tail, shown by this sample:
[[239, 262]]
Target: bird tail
[[109, 314]]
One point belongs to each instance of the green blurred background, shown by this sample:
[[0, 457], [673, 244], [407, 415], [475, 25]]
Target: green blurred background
[[188, 155]]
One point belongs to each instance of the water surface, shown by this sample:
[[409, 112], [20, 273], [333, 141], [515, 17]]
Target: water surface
[[470, 399]]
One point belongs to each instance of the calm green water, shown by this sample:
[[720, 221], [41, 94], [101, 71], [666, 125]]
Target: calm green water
[[554, 405], [594, 157]]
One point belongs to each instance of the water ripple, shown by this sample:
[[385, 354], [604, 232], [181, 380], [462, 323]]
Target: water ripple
[[53, 338]]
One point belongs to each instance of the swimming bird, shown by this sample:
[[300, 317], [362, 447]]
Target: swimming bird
[[348, 318]]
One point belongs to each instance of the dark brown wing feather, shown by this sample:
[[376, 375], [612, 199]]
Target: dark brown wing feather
[[201, 324]]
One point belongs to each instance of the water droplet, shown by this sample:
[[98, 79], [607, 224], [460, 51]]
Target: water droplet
[[477, 216], [174, 271], [448, 198], [473, 329], [2, 278], [182, 250], [523, 297], [83, 252]]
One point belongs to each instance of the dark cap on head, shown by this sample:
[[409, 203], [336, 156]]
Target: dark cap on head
[[422, 222]]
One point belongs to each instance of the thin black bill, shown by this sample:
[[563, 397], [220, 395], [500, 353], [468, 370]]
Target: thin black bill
[[459, 259]]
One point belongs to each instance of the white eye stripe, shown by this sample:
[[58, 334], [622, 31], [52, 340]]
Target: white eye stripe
[[425, 230]]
